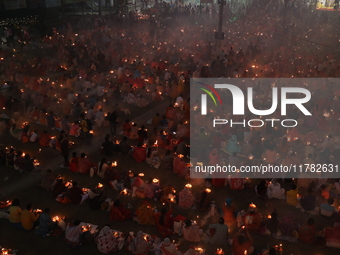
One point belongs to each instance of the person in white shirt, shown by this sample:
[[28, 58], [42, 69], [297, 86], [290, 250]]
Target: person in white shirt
[[34, 136]]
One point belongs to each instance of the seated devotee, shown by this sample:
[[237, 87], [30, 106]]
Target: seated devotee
[[28, 218], [191, 232], [95, 198], [307, 232], [107, 146], [169, 248], [150, 188], [46, 225], [124, 147], [145, 214], [232, 146], [289, 226], [102, 168], [74, 161], [236, 183], [28, 164], [164, 222], [179, 166], [44, 139], [229, 213], [139, 153], [274, 190], [76, 194], [272, 224], [308, 202], [333, 236], [186, 199], [15, 131], [59, 188], [327, 209], [156, 120], [15, 213], [292, 196], [19, 162], [106, 241], [75, 129], [152, 158], [84, 164], [131, 98], [134, 131], [261, 189], [139, 246], [242, 242], [220, 236], [253, 219], [118, 212], [204, 200], [167, 192], [142, 102], [34, 136], [73, 234], [48, 180]]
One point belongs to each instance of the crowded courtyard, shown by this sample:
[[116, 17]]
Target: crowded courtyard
[[100, 132]]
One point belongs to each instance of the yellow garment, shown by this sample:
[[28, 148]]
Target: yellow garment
[[291, 197], [27, 219], [14, 214], [83, 124], [145, 215]]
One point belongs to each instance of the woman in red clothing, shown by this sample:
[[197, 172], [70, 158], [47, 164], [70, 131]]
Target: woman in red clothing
[[73, 164], [127, 128], [164, 222], [44, 139], [118, 212], [139, 153]]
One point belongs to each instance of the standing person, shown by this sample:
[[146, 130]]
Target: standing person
[[28, 218], [64, 147], [113, 123], [85, 128]]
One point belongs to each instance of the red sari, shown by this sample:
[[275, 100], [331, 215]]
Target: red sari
[[139, 154], [180, 167], [44, 140], [73, 164]]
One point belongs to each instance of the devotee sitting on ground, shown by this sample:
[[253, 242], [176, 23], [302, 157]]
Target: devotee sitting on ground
[[261, 189], [150, 189], [242, 242], [59, 188], [84, 164], [102, 167], [253, 218], [220, 233], [229, 213], [169, 248], [124, 147], [44, 139], [73, 234], [139, 246], [95, 198], [48, 180], [46, 225], [118, 212], [179, 166], [333, 236], [289, 226], [186, 199], [308, 202], [74, 162], [19, 162], [76, 194], [191, 232], [307, 232], [139, 153], [29, 218], [232, 146], [292, 196], [274, 190], [327, 209], [106, 241], [15, 214], [164, 222], [145, 214]]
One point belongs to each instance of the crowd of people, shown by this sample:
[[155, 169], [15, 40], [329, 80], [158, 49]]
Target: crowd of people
[[91, 75]]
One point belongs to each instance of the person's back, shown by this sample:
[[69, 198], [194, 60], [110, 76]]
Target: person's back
[[308, 202], [73, 234], [291, 197], [221, 233], [14, 214], [28, 218], [75, 194]]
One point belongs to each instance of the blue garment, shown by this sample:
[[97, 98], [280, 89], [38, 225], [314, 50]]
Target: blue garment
[[232, 145], [327, 208], [45, 225]]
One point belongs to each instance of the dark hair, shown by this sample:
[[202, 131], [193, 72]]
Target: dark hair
[[76, 222], [74, 154], [221, 221], [29, 206], [188, 223], [310, 221], [116, 203], [162, 216], [15, 202], [75, 184], [272, 251], [294, 187], [330, 201], [83, 155], [47, 210], [241, 239]]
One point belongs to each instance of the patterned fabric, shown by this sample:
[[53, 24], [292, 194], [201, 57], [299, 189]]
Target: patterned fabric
[[106, 241], [186, 199]]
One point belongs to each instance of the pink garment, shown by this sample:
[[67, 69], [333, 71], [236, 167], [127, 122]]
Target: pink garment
[[186, 198], [191, 233], [180, 167], [84, 165]]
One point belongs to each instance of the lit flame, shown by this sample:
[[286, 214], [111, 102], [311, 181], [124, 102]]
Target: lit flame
[[188, 185], [100, 185], [207, 190]]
